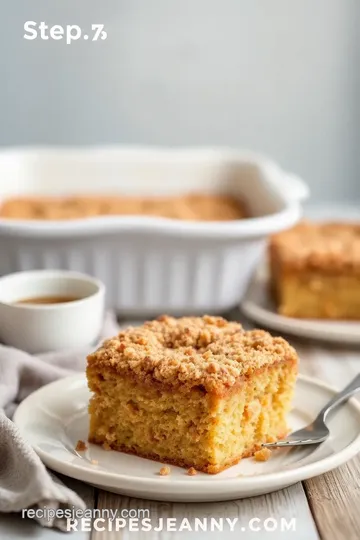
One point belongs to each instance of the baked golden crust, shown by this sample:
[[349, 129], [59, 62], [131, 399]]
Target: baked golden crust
[[192, 207], [209, 468], [330, 247], [205, 352]]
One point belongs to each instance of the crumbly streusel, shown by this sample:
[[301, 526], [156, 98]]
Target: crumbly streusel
[[191, 351], [330, 247]]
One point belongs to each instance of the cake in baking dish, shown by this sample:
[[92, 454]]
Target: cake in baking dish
[[315, 271], [195, 392], [197, 207]]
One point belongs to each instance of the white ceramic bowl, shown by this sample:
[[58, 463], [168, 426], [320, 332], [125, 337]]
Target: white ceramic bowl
[[150, 265], [46, 327]]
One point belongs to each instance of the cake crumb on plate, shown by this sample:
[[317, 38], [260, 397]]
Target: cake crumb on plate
[[262, 455], [80, 446], [192, 471], [106, 446], [164, 471]]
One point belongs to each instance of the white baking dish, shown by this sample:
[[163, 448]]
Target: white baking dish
[[149, 265]]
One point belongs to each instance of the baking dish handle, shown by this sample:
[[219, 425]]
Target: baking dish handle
[[296, 187], [290, 186]]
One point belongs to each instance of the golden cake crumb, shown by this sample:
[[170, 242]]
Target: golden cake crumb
[[192, 471], [263, 454], [80, 446], [164, 471], [94, 462]]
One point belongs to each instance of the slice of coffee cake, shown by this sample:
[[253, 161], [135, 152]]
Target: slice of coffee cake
[[315, 271], [194, 392]]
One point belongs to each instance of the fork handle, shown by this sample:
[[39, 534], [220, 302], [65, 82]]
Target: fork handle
[[349, 390]]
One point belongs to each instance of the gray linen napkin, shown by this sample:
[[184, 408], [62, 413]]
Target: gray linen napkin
[[24, 480]]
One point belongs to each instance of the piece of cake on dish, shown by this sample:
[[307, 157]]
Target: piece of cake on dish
[[315, 271], [195, 392]]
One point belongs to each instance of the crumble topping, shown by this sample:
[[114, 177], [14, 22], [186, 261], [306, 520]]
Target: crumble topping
[[327, 246], [164, 471], [207, 352]]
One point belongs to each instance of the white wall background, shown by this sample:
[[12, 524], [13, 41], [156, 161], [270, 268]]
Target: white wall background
[[278, 76]]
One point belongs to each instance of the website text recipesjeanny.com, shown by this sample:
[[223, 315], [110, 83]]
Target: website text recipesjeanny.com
[[140, 520]]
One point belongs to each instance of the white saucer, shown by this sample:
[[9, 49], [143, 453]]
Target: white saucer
[[55, 417], [259, 307]]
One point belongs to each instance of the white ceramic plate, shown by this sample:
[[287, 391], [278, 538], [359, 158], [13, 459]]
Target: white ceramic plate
[[259, 307], [53, 418]]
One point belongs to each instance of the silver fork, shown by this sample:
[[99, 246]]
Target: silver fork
[[317, 431]]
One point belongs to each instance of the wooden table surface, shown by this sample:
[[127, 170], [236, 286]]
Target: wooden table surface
[[326, 507]]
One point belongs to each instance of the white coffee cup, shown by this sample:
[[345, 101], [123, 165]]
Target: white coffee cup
[[39, 328]]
